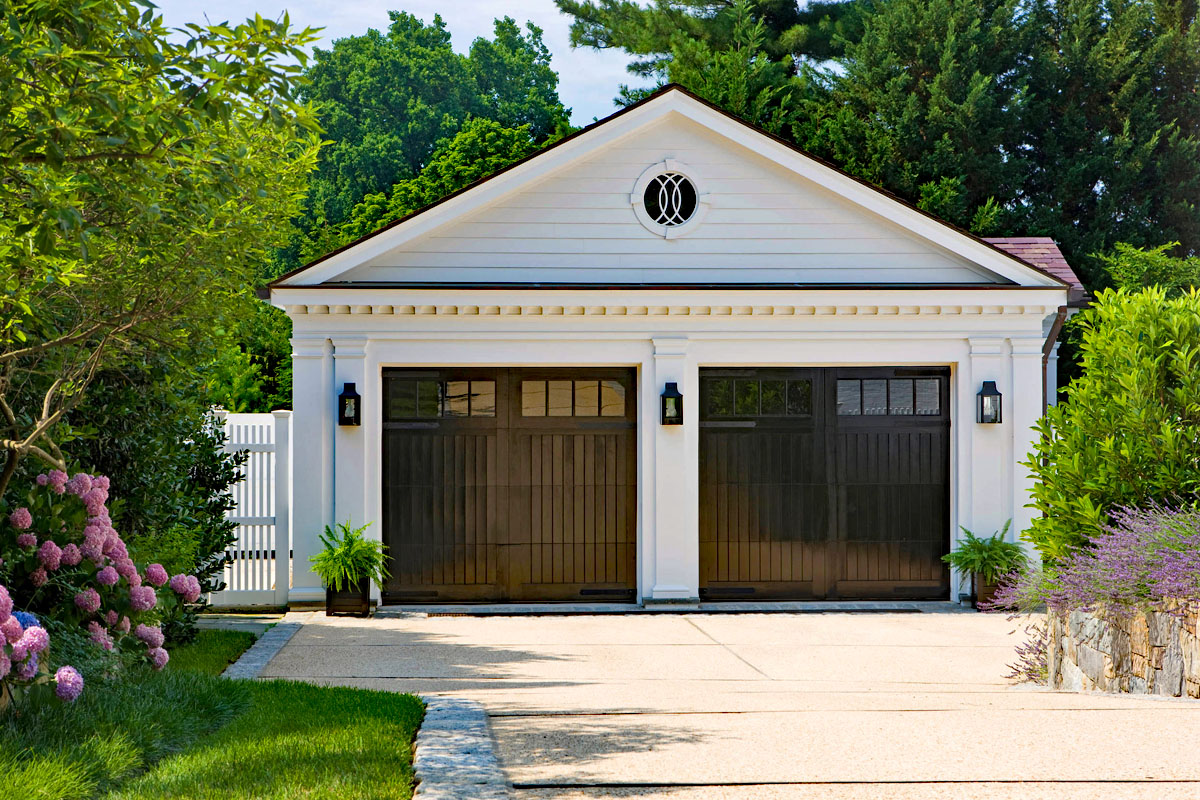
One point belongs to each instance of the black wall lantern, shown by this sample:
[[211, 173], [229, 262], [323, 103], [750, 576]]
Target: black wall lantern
[[349, 406], [672, 405], [988, 404]]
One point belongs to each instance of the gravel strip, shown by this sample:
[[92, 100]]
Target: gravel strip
[[454, 758]]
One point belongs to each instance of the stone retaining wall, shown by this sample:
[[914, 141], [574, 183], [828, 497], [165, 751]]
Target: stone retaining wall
[[1153, 652]]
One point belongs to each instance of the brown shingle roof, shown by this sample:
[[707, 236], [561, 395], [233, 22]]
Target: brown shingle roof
[[1041, 251]]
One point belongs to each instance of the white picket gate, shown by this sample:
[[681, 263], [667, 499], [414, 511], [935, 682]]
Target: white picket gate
[[259, 568]]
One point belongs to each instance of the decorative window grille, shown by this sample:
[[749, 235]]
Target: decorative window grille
[[670, 199]]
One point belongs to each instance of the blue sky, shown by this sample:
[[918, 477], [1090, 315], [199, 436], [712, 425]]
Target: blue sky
[[588, 79]]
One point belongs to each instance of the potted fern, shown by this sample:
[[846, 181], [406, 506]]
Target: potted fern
[[986, 560], [347, 565]]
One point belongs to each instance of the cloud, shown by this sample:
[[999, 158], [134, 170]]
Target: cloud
[[588, 79]]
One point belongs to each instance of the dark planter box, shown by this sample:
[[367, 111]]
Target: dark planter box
[[353, 601], [984, 592]]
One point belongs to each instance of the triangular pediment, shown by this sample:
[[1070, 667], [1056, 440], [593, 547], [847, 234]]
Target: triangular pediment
[[767, 215]]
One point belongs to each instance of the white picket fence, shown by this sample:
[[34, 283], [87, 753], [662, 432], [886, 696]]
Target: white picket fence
[[260, 564]]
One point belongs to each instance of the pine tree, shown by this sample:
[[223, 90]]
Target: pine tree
[[928, 103], [1113, 127]]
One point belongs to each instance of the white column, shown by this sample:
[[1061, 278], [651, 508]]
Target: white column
[[991, 445], [1026, 409], [283, 505], [313, 409], [677, 479]]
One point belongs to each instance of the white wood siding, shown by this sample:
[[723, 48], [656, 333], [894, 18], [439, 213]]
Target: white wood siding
[[577, 225]]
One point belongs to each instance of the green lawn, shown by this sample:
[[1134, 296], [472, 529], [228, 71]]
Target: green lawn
[[185, 733]]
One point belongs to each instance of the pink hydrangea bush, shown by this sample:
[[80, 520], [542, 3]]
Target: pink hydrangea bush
[[23, 648], [62, 558]]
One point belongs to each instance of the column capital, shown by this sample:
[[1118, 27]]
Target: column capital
[[670, 346], [314, 347], [1030, 346], [986, 345], [349, 347]]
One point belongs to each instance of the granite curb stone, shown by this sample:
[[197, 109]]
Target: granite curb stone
[[254, 661], [454, 757]]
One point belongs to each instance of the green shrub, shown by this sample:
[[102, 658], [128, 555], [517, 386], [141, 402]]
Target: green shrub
[[1129, 430]]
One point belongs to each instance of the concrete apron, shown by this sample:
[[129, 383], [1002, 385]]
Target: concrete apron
[[760, 706]]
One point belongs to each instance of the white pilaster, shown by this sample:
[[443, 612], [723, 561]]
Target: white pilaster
[[313, 409], [677, 477], [1026, 408], [349, 441], [991, 444]]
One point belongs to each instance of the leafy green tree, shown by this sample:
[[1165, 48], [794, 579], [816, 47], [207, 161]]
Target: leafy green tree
[[1137, 268], [140, 173], [652, 32], [482, 148], [928, 103], [1129, 431], [387, 99]]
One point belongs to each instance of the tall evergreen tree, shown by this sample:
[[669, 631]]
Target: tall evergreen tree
[[929, 104], [652, 32], [1113, 126]]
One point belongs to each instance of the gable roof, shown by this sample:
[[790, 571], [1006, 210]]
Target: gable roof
[[1005, 261]]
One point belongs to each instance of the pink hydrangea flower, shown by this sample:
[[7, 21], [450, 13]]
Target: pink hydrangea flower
[[26, 540], [88, 600], [108, 577], [156, 574], [187, 587], [21, 519], [101, 482], [111, 617], [142, 598], [80, 485], [58, 480], [11, 628], [34, 639], [151, 635], [6, 604], [125, 568], [68, 684], [158, 657], [135, 579], [39, 577], [123, 625], [94, 501], [5, 666], [91, 551], [71, 555], [50, 554], [99, 636], [43, 479]]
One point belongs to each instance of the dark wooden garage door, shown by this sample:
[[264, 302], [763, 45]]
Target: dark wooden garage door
[[509, 484], [824, 483]]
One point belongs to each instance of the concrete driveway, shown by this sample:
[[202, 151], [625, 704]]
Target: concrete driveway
[[697, 706]]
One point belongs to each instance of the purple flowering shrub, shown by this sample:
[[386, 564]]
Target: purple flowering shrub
[[1144, 559], [61, 558]]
